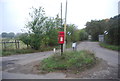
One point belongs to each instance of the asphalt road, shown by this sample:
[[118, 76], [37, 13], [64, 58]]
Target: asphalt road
[[11, 62]]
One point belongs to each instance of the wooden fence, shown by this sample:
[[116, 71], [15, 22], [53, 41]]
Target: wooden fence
[[16, 43]]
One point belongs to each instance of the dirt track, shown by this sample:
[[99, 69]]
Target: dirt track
[[17, 66]]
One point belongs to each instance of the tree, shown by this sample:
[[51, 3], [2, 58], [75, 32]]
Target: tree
[[72, 33], [113, 30], [4, 35], [36, 27], [83, 35], [11, 35], [17, 35], [52, 26], [95, 28], [8, 35], [25, 38], [111, 25], [57, 22]]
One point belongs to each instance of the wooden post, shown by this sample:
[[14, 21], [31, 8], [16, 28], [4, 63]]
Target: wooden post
[[5, 45], [18, 44], [2, 45], [15, 44], [61, 18], [61, 30], [64, 45]]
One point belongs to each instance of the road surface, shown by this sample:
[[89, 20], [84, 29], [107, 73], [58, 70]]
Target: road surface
[[11, 65]]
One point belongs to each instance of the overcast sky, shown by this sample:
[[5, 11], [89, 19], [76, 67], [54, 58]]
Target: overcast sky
[[14, 13]]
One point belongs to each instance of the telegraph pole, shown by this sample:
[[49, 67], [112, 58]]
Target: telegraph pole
[[64, 46], [61, 15], [61, 30]]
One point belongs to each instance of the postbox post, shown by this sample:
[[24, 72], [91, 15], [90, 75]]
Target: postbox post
[[61, 49]]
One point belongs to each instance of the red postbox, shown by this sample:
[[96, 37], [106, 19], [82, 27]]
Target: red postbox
[[61, 37]]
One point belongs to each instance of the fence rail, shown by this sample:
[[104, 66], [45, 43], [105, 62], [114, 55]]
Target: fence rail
[[5, 43]]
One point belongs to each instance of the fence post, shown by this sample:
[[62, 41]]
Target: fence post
[[18, 44], [4, 45], [15, 44]]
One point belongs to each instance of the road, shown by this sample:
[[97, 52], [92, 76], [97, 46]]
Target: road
[[11, 65], [107, 70]]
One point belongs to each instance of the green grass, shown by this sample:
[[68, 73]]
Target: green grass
[[6, 52], [49, 48], [74, 61], [69, 45], [112, 47], [13, 46], [11, 49], [16, 51]]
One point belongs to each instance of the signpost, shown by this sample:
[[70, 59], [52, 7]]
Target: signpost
[[61, 40]]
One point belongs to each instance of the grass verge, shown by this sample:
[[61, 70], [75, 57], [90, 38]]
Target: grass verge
[[112, 47], [11, 51], [6, 52], [73, 61], [69, 45]]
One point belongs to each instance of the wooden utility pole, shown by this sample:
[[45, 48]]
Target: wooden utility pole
[[64, 46], [61, 16], [61, 30]]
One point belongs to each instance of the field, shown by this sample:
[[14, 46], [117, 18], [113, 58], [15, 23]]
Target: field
[[10, 48], [12, 45]]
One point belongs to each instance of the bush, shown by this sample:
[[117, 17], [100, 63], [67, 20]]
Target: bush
[[74, 61], [83, 35]]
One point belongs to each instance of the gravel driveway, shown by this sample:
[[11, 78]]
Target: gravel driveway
[[108, 68]]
